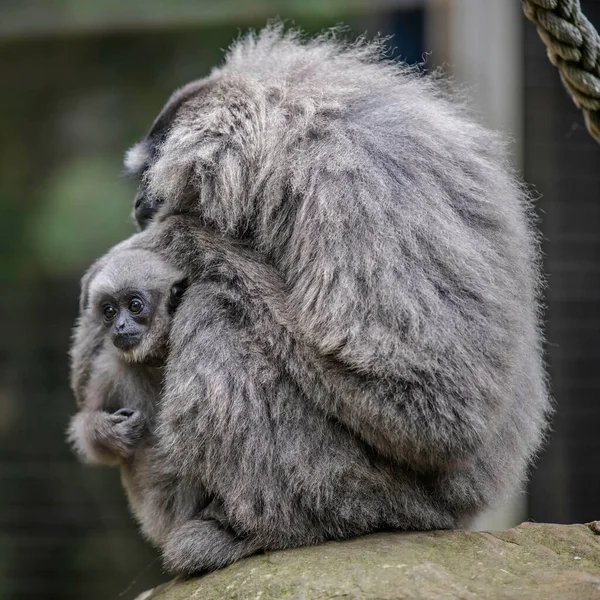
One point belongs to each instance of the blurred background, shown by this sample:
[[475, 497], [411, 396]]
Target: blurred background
[[80, 81]]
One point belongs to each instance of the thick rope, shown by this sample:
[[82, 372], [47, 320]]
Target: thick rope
[[574, 48]]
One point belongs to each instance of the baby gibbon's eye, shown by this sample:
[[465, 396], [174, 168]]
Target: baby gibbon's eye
[[135, 305], [109, 312]]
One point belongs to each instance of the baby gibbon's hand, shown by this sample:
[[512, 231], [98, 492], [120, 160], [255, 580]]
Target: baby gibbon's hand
[[106, 438]]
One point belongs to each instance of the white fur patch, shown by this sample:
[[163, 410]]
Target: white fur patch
[[137, 158]]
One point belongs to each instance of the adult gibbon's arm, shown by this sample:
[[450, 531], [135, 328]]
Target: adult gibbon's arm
[[423, 419]]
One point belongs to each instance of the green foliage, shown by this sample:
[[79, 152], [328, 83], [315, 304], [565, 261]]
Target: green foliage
[[85, 208]]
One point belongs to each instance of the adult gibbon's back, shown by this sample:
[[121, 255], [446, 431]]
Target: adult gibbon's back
[[403, 237]]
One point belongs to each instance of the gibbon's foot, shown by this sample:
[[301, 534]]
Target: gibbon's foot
[[198, 546]]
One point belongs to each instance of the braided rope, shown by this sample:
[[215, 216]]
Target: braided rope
[[574, 48]]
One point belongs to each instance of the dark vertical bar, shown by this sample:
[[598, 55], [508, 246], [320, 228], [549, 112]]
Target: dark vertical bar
[[563, 162]]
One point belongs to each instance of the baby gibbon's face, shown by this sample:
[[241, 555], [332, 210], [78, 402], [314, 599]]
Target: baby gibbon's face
[[127, 317], [138, 321], [132, 295]]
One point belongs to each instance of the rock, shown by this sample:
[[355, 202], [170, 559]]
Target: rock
[[531, 561]]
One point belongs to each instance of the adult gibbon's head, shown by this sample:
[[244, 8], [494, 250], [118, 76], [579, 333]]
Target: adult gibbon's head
[[354, 176], [277, 137]]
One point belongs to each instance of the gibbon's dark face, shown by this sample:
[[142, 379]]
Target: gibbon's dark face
[[130, 314], [145, 208], [141, 157], [127, 316]]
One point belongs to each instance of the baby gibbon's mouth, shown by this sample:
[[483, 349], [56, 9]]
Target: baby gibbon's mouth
[[126, 341]]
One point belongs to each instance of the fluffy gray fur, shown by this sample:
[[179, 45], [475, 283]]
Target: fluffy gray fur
[[374, 360], [118, 390]]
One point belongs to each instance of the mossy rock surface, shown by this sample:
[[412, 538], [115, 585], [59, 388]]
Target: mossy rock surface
[[531, 561]]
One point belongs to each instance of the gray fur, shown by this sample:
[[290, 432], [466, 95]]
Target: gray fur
[[118, 391], [374, 359]]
